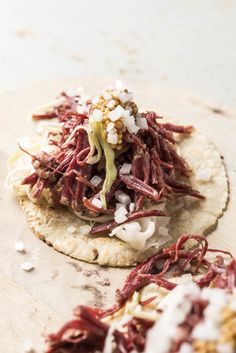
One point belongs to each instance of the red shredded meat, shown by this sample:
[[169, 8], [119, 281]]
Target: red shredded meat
[[87, 332], [155, 172]]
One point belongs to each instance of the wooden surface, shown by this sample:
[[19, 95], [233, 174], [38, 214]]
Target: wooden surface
[[37, 302]]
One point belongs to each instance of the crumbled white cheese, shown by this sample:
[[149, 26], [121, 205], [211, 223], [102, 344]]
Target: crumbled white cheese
[[19, 246], [122, 197], [84, 230], [27, 266], [97, 115], [97, 203], [71, 229], [116, 114], [126, 168], [96, 180]]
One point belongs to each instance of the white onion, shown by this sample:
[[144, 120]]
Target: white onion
[[19, 246], [97, 115], [131, 207], [142, 123], [97, 203], [110, 127], [129, 122], [112, 138], [122, 197], [126, 168], [96, 180], [116, 114], [120, 215], [111, 103]]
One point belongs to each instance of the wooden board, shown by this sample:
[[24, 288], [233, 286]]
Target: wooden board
[[59, 283]]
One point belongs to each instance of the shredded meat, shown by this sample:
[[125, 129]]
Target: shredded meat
[[87, 332], [155, 173]]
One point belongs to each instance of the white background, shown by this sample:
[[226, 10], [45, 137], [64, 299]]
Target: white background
[[185, 43]]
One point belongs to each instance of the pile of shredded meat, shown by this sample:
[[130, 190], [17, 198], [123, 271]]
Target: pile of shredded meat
[[88, 332], [76, 177]]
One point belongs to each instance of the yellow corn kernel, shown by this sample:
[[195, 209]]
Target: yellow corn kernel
[[118, 124]]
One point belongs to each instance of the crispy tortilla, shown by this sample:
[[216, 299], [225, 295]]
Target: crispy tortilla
[[187, 214]]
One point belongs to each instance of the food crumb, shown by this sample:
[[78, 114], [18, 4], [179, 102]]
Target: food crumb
[[28, 348], [27, 266], [19, 246], [71, 229]]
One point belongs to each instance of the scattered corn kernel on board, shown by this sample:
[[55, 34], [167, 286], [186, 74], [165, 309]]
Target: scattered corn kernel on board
[[33, 303]]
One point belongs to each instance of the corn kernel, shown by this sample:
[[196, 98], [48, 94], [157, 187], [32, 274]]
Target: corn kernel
[[118, 124]]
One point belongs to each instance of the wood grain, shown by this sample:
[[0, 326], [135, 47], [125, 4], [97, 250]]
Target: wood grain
[[31, 303]]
